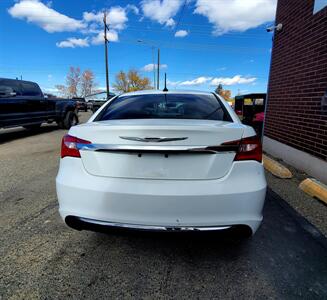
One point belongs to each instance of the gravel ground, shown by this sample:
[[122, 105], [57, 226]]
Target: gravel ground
[[41, 258], [312, 209]]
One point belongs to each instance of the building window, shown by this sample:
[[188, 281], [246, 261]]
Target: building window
[[319, 5]]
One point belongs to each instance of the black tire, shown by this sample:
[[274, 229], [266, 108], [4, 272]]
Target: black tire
[[32, 127], [69, 120]]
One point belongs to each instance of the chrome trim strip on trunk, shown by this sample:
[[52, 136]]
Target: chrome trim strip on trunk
[[157, 148], [153, 227], [153, 139]]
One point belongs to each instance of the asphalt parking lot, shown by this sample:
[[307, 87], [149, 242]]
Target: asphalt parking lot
[[42, 258]]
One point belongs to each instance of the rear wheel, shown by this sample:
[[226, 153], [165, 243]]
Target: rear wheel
[[70, 119], [32, 127]]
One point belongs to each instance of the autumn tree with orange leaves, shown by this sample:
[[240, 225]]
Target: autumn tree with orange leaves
[[131, 81], [78, 84], [226, 94]]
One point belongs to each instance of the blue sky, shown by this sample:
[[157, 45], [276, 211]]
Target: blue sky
[[202, 42]]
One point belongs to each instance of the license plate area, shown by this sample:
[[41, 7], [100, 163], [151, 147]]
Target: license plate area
[[157, 165]]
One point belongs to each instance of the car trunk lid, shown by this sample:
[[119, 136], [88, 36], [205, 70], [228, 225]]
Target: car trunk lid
[[158, 149]]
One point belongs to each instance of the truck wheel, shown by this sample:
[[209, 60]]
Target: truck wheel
[[69, 120], [32, 127]]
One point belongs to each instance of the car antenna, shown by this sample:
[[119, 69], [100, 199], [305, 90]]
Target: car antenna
[[165, 88]]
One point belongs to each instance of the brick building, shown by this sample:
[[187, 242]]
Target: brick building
[[296, 115]]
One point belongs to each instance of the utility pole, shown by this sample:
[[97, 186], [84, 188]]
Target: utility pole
[[158, 70], [106, 51]]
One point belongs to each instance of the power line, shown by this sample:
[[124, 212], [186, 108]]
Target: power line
[[202, 46], [204, 32], [176, 74], [180, 16]]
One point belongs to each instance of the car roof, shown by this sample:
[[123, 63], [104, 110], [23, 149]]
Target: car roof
[[17, 80], [160, 92]]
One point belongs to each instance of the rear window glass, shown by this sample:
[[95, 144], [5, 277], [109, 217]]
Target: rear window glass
[[9, 86], [165, 106], [30, 89]]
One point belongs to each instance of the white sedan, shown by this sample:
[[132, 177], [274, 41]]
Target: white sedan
[[155, 160]]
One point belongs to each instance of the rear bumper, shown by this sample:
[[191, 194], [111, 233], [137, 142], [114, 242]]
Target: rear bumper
[[84, 223], [236, 199]]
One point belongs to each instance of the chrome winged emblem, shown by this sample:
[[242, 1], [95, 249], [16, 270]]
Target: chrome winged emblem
[[153, 139]]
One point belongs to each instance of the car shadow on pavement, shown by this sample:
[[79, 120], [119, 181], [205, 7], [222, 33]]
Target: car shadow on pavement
[[225, 243], [233, 236], [8, 135]]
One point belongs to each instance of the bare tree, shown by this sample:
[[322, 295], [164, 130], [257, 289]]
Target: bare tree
[[62, 90], [77, 84], [87, 84], [73, 81], [132, 81]]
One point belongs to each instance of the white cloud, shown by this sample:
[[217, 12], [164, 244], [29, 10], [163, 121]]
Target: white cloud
[[133, 8], [116, 17], [181, 33], [36, 12], [93, 17], [237, 79], [112, 36], [50, 90], [73, 43], [161, 11], [47, 18], [236, 15], [196, 81], [170, 23], [173, 83], [151, 67]]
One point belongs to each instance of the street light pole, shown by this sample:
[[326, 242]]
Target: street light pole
[[154, 66], [154, 69], [106, 52], [158, 70]]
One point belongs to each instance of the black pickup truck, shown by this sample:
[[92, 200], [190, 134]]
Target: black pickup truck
[[22, 103]]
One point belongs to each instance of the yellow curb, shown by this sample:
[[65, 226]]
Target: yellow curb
[[314, 188], [276, 168]]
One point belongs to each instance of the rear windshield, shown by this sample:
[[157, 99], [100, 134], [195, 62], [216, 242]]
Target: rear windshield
[[9, 86], [30, 89], [165, 106]]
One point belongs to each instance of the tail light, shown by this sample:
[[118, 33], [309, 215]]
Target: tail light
[[248, 149], [69, 146]]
